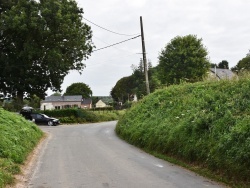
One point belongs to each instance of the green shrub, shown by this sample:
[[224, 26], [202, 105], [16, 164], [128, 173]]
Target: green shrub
[[204, 123]]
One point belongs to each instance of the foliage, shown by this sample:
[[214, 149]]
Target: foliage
[[184, 58], [213, 65], [33, 101], [243, 65], [17, 139], [223, 64], [40, 42], [83, 116], [205, 123], [127, 87], [79, 89], [122, 89]]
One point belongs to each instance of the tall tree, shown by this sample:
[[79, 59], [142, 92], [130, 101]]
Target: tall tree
[[223, 64], [243, 64], [134, 84], [40, 42], [184, 58], [79, 89], [122, 89], [213, 65]]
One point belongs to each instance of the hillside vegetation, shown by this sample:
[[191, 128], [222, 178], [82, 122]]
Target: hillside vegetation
[[18, 137], [206, 125]]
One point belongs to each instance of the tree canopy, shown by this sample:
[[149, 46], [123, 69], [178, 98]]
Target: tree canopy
[[40, 42], [79, 89], [184, 58], [243, 64], [134, 84], [223, 64]]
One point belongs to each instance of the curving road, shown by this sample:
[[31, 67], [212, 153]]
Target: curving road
[[92, 156]]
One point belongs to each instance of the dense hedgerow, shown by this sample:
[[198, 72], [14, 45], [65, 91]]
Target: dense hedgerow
[[205, 123], [83, 116], [17, 139]]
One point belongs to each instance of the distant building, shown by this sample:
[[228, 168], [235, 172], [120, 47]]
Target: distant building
[[86, 103], [100, 104], [62, 102], [219, 74]]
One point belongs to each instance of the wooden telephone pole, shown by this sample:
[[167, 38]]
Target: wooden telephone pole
[[144, 57]]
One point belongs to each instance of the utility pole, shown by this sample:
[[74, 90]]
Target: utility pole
[[144, 57]]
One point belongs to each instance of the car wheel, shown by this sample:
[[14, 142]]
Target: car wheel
[[50, 123]]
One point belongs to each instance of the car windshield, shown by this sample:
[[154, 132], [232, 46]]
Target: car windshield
[[45, 116]]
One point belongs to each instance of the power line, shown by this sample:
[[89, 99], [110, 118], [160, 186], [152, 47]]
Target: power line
[[116, 43], [108, 29], [115, 47]]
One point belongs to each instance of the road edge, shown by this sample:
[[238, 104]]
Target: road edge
[[29, 167]]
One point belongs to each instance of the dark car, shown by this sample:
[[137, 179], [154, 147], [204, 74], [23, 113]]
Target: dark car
[[38, 118], [44, 119]]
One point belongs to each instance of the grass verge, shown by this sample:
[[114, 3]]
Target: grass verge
[[18, 137]]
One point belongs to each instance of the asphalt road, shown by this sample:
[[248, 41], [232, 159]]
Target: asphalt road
[[92, 156]]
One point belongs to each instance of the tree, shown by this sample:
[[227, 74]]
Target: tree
[[242, 65], [79, 89], [134, 84], [33, 101], [184, 58], [213, 65], [223, 64], [40, 42], [122, 89]]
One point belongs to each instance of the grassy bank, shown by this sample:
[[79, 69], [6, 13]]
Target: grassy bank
[[18, 137], [205, 125]]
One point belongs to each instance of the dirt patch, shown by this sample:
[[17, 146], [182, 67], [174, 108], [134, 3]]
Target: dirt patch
[[27, 169]]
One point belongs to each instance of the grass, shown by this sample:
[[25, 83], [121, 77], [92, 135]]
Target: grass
[[18, 137], [205, 125]]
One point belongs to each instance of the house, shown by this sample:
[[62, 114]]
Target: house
[[217, 73], [100, 104], [61, 102], [86, 103]]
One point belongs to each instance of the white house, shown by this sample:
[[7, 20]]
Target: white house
[[61, 102], [100, 104]]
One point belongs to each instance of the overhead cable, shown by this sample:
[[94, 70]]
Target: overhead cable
[[116, 43], [107, 29]]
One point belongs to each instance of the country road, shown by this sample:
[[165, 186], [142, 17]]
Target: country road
[[92, 156]]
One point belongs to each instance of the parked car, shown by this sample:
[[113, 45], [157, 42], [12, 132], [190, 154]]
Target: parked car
[[38, 118], [44, 119]]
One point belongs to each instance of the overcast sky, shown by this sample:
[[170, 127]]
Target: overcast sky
[[222, 24]]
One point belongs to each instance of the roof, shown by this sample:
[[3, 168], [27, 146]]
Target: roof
[[100, 102], [86, 101], [70, 98], [106, 99], [222, 73]]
